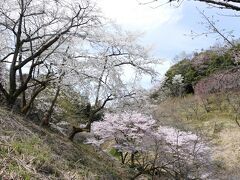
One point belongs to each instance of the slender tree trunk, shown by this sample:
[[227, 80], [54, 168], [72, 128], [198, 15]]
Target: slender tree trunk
[[24, 102], [27, 106], [4, 92], [132, 159], [100, 82], [123, 157], [48, 114]]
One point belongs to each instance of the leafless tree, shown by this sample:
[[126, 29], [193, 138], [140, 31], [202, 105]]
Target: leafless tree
[[233, 99], [209, 22], [221, 4]]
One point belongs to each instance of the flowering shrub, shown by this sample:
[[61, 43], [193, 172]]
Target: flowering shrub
[[152, 149], [127, 129], [221, 81], [178, 79]]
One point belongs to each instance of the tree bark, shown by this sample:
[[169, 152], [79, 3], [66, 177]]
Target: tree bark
[[123, 157], [48, 114], [76, 130], [26, 108], [132, 159]]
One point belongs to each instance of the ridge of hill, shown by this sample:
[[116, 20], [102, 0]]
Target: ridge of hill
[[216, 69]]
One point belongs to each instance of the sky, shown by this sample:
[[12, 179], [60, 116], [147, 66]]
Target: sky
[[167, 28]]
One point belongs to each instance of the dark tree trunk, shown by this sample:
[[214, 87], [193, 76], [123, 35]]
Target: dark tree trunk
[[21, 78], [76, 130], [26, 108], [11, 101], [132, 159], [48, 114], [123, 157]]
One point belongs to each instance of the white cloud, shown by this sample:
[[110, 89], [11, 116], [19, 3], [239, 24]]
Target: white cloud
[[138, 17], [142, 18]]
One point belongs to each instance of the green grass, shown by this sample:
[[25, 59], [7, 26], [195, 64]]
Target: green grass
[[33, 146], [21, 172], [115, 153]]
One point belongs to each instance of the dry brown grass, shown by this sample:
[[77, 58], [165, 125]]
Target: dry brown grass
[[214, 117], [28, 151]]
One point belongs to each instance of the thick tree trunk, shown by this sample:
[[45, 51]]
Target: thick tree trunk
[[21, 78], [76, 130], [11, 101], [13, 69]]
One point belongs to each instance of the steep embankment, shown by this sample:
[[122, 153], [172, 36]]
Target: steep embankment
[[28, 151]]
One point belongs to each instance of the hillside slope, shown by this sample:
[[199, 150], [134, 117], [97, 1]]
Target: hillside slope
[[209, 71], [28, 151], [215, 117]]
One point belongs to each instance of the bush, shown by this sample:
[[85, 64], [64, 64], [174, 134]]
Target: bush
[[184, 68], [219, 63], [200, 66], [189, 74]]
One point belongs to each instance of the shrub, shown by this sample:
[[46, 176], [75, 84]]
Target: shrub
[[203, 65]]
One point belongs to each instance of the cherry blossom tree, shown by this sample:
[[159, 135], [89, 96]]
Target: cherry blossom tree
[[153, 150], [224, 80], [181, 154], [103, 68], [126, 129], [1, 72], [33, 31]]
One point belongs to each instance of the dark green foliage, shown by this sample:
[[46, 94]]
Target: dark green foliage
[[202, 65], [184, 68], [219, 62], [98, 116]]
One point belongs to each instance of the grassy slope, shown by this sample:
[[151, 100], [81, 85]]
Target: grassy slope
[[218, 125], [30, 152]]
